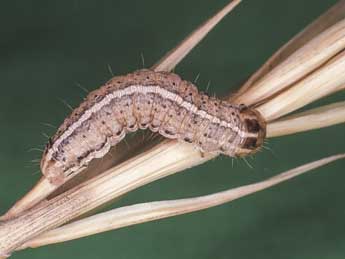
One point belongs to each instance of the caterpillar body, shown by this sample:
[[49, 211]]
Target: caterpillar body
[[160, 101]]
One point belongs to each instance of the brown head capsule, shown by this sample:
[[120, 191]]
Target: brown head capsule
[[160, 101], [255, 127]]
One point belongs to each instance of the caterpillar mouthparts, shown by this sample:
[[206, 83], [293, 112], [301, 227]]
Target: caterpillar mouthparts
[[160, 101]]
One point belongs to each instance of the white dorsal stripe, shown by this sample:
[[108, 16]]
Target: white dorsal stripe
[[156, 89]]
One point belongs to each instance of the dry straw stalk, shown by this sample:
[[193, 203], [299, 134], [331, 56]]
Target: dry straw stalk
[[139, 213]]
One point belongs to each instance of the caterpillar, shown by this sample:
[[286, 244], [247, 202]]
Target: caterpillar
[[160, 101]]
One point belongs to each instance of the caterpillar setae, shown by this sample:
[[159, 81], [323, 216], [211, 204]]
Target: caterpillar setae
[[160, 101]]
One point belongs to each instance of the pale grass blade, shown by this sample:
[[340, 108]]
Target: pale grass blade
[[335, 14], [326, 80], [302, 62], [175, 56], [317, 118], [139, 213]]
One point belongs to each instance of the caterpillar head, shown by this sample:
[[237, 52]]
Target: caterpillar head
[[254, 127]]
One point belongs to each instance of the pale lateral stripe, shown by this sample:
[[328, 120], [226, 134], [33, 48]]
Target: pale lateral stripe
[[100, 153]]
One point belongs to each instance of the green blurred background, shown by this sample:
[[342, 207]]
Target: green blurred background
[[48, 48]]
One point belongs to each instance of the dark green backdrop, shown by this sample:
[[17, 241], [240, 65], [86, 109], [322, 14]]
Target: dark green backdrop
[[47, 48]]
